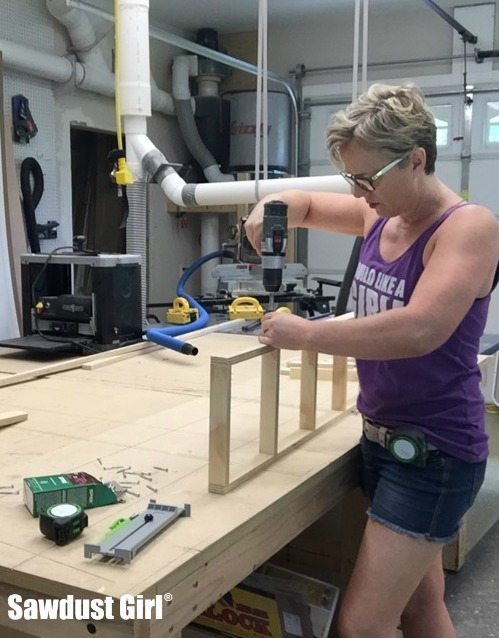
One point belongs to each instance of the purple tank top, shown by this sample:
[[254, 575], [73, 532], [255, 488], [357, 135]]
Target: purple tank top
[[438, 392]]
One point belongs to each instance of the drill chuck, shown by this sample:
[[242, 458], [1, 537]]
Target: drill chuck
[[274, 242]]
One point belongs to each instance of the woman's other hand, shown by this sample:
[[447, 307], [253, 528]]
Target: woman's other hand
[[284, 330]]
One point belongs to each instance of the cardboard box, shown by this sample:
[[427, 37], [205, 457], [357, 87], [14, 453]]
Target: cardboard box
[[79, 488], [320, 596], [274, 603]]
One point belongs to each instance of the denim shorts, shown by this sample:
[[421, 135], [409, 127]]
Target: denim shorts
[[423, 502]]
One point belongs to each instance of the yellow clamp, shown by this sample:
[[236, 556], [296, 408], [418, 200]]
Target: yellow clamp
[[284, 309], [181, 312], [246, 308], [123, 175]]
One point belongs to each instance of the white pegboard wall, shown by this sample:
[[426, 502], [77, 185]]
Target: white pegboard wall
[[27, 22]]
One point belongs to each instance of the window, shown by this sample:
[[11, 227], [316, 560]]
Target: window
[[443, 115], [492, 130]]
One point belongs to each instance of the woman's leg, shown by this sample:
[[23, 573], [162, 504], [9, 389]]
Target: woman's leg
[[389, 567], [426, 613]]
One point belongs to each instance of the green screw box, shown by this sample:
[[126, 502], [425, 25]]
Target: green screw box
[[78, 488]]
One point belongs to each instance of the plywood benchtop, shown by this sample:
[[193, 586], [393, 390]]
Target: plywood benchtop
[[151, 411]]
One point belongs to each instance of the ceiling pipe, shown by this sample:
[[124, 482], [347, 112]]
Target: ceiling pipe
[[480, 56], [466, 35], [390, 63], [47, 66], [53, 67]]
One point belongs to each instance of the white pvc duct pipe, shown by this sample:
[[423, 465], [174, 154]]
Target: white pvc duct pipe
[[135, 87], [61, 69], [24, 59], [161, 101], [219, 193], [242, 192]]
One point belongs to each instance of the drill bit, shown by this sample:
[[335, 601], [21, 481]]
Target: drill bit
[[271, 303]]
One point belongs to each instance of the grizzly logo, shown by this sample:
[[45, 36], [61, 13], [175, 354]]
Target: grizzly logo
[[241, 128]]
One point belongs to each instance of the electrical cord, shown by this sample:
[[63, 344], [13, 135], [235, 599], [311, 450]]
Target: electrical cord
[[31, 169]]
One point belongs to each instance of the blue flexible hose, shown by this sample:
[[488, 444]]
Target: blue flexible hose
[[166, 336]]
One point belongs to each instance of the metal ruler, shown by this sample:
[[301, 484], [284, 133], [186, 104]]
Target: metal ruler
[[133, 533]]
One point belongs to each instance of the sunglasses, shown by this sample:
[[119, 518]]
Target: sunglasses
[[368, 183]]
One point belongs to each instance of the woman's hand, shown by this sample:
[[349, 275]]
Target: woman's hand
[[253, 226], [298, 203], [284, 330]]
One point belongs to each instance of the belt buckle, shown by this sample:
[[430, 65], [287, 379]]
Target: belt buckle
[[380, 432], [382, 435]]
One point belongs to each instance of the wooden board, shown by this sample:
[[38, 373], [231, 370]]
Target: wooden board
[[11, 417]]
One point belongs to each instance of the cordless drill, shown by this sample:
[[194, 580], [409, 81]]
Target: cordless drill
[[273, 246]]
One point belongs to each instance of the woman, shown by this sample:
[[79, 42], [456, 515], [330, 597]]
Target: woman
[[421, 293]]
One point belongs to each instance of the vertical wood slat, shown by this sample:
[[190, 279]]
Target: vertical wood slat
[[269, 402], [219, 445], [308, 390], [340, 364], [339, 389]]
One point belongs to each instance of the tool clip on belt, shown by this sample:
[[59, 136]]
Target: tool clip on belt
[[406, 445]]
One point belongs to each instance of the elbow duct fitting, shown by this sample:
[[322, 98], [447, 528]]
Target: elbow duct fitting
[[82, 35]]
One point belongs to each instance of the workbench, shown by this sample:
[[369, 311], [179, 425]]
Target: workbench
[[150, 410]]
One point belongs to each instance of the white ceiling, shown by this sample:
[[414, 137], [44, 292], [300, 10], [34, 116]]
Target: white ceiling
[[232, 16]]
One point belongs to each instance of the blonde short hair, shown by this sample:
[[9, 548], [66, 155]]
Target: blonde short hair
[[392, 119]]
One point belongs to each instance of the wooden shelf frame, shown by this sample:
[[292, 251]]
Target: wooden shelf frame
[[219, 474]]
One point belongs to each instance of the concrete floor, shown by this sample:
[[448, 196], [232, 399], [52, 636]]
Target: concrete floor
[[472, 594]]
